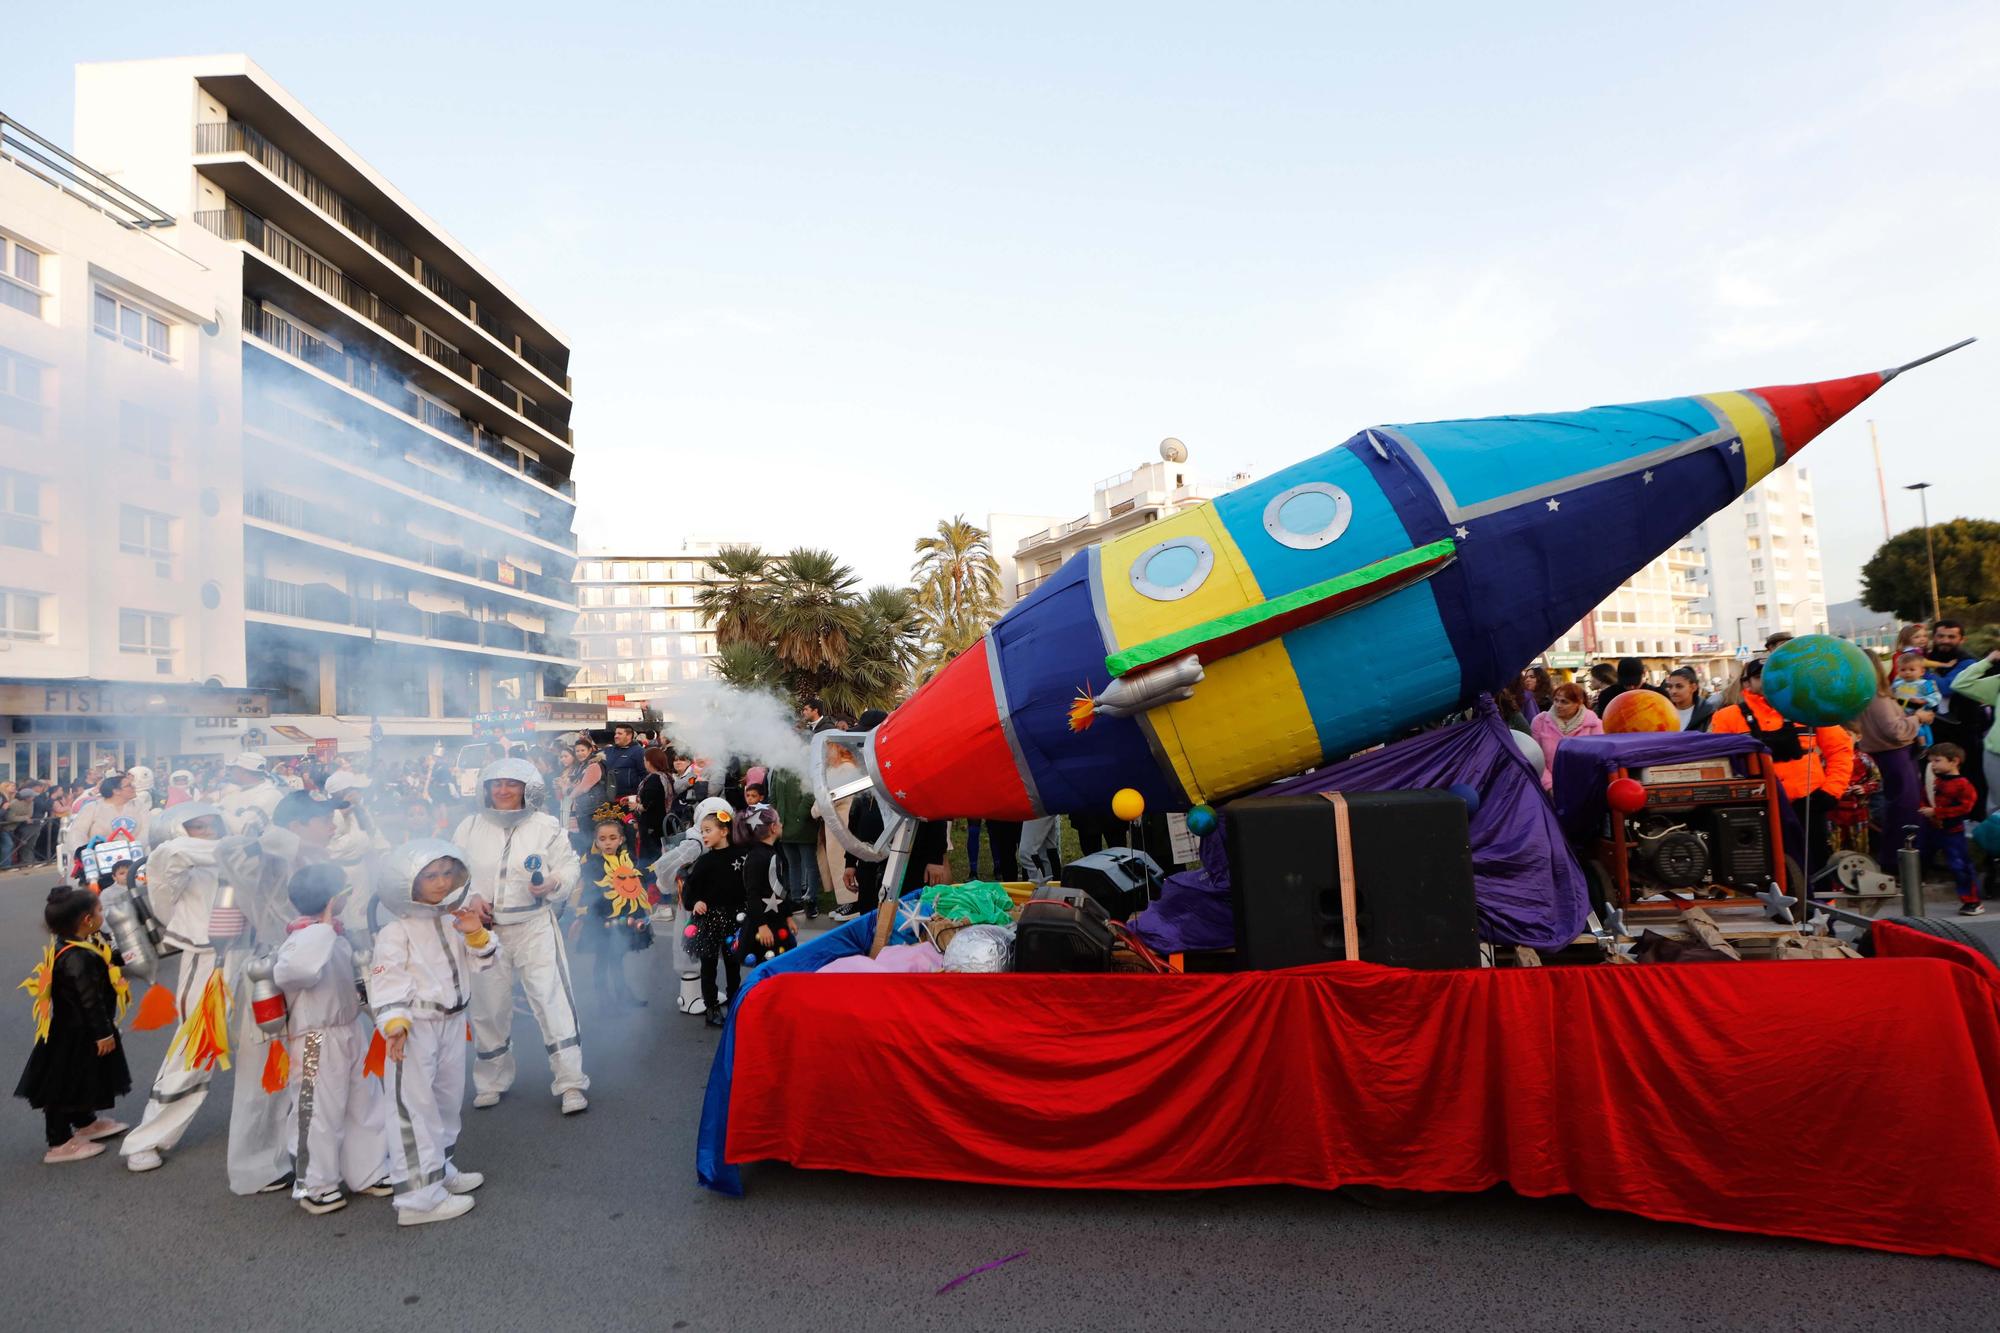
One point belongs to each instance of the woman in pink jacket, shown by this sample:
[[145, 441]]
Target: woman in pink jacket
[[1570, 717]]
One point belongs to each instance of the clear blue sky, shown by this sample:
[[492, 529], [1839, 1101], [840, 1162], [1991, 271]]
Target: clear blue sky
[[834, 271]]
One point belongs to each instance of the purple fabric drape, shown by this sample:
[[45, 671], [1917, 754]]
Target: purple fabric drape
[[1529, 887]]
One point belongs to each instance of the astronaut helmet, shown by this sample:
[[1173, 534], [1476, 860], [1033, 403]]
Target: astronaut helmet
[[397, 876]]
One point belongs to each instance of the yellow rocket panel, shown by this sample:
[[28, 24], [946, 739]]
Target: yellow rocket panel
[[1248, 717], [1746, 414]]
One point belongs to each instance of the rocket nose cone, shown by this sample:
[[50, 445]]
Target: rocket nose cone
[[1804, 410]]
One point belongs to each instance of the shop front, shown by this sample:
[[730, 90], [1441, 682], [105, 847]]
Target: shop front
[[58, 731]]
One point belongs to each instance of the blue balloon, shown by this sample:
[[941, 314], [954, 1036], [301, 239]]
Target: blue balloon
[[1201, 820], [1468, 793], [1987, 834], [1819, 680]]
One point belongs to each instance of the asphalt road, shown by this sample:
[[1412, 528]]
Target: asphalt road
[[595, 1223]]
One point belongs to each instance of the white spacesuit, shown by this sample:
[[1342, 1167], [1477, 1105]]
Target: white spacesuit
[[181, 882], [356, 848], [523, 866], [419, 984], [336, 1123], [248, 798]]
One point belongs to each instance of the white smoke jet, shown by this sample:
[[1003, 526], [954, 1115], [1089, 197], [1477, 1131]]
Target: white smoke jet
[[719, 721]]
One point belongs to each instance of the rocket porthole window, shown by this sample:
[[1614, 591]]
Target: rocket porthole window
[[1173, 569], [1309, 516]]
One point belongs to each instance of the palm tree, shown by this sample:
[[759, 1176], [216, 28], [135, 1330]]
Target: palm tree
[[749, 666], [812, 613], [880, 657], [736, 602], [957, 587]]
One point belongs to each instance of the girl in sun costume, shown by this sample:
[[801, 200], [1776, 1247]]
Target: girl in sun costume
[[616, 899], [77, 997]]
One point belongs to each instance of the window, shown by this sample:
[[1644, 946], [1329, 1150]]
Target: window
[[1308, 516], [21, 277], [21, 516], [23, 393], [143, 532], [1749, 520], [20, 614], [621, 571], [593, 597], [1757, 586], [149, 434], [590, 569], [121, 320], [149, 634], [656, 571]]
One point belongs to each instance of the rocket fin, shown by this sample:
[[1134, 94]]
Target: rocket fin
[[1240, 630]]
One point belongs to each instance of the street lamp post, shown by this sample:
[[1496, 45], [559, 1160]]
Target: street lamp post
[[1739, 632], [1930, 559]]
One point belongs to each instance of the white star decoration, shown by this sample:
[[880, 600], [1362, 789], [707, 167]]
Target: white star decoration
[[1649, 478], [1461, 533], [774, 902], [909, 916], [1736, 446], [1554, 504]]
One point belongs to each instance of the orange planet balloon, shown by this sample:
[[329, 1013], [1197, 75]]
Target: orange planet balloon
[[1641, 710]]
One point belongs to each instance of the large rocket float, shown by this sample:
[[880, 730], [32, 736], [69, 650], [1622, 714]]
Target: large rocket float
[[1325, 608]]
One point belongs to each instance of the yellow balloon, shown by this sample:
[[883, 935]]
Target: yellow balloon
[[1128, 804]]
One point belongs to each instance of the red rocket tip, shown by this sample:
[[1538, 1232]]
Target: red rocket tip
[[1804, 410]]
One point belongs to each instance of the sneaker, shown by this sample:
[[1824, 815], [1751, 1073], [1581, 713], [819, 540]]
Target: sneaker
[[102, 1129], [842, 915], [574, 1101], [143, 1160], [463, 1182], [713, 1018], [454, 1205], [486, 1099], [321, 1204], [381, 1189], [76, 1150], [283, 1182], [1972, 909]]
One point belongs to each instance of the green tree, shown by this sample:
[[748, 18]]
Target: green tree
[[811, 615], [956, 586], [749, 666], [1967, 550], [880, 656], [736, 600]]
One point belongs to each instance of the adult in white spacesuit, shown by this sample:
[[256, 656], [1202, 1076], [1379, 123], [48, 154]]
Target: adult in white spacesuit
[[523, 867], [247, 796], [181, 882]]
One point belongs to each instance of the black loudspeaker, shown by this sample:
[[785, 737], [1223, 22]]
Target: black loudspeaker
[[1412, 870], [1062, 930], [1123, 880]]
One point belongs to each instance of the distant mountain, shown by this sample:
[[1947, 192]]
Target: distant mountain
[[1852, 619]]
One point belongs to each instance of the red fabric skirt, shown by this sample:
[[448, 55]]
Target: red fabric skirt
[[1851, 1102]]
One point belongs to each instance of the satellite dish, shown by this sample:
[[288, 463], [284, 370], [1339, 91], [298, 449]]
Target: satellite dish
[[1173, 450]]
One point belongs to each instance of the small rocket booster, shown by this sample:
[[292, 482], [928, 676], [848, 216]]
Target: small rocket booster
[[1325, 608]]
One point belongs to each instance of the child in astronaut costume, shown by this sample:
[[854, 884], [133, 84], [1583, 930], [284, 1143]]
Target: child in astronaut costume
[[522, 866], [181, 882], [336, 1109], [668, 871], [431, 945]]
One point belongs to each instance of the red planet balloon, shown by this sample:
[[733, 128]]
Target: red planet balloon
[[1626, 795]]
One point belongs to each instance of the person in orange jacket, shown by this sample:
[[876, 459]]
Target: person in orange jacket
[[1814, 765]]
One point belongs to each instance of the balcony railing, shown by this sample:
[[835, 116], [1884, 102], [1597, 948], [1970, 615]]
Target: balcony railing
[[233, 136], [329, 605], [240, 224], [385, 388], [376, 534]]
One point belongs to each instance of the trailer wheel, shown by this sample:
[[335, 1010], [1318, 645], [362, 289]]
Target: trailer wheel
[[1923, 925]]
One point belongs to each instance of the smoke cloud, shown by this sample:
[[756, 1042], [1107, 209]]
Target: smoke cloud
[[719, 721]]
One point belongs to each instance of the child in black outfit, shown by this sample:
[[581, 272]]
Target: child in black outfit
[[767, 907], [77, 1067], [712, 893]]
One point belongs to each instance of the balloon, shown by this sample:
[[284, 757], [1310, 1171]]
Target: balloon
[[689, 932], [1201, 820], [1531, 750], [1640, 710], [1468, 793], [1626, 795], [1128, 804], [1819, 680]]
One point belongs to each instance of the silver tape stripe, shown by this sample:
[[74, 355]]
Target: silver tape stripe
[[167, 1099], [1095, 575], [564, 1044], [408, 1133], [496, 1052], [451, 960], [1457, 513], [1007, 725], [562, 971], [308, 1082], [430, 1007], [168, 937]]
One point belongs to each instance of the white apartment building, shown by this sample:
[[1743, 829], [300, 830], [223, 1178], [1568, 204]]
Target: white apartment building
[[639, 630], [1030, 547], [1655, 615], [1764, 562], [406, 505], [121, 559]]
